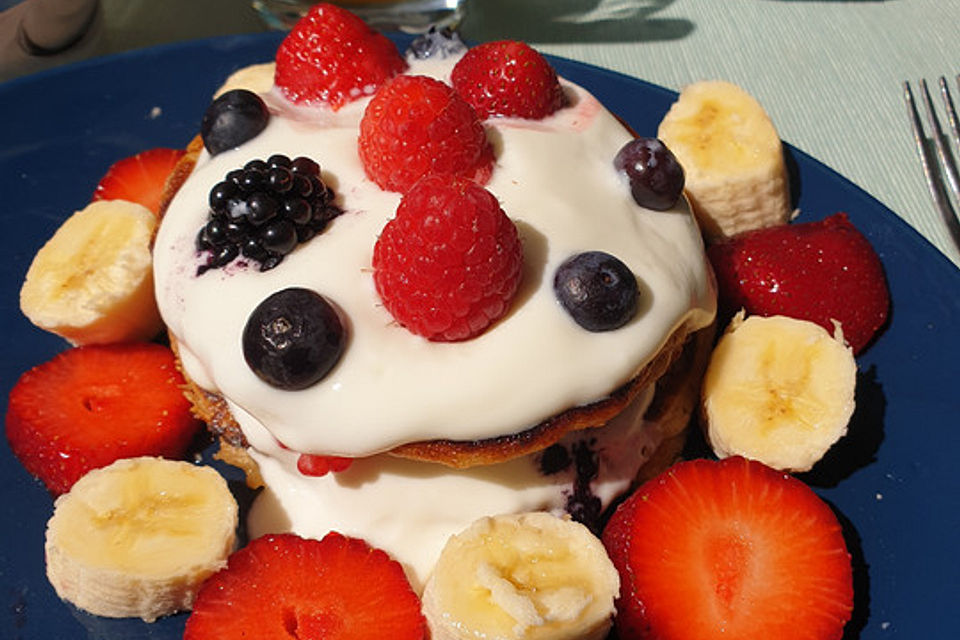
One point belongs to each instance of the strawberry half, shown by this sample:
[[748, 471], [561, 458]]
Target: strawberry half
[[508, 78], [284, 586], [92, 405], [140, 178], [817, 271], [331, 56], [730, 549]]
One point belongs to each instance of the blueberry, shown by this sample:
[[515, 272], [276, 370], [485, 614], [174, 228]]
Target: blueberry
[[232, 119], [435, 43], [656, 177], [598, 291], [293, 339]]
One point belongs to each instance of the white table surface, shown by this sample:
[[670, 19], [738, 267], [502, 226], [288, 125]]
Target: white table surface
[[829, 72]]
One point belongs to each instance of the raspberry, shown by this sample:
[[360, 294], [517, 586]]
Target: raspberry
[[331, 56], [415, 126], [448, 265], [508, 78]]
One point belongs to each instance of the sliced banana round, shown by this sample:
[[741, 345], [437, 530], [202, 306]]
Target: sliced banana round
[[138, 537], [255, 77], [532, 576], [92, 282], [732, 157], [778, 390]]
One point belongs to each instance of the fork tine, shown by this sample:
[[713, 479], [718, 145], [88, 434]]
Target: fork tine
[[923, 151], [947, 161], [951, 111]]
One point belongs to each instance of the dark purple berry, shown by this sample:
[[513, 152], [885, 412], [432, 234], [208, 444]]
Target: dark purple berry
[[232, 119], [293, 339], [297, 210], [435, 43], [221, 194], [215, 233], [655, 176], [598, 291], [279, 236], [305, 166], [278, 160], [279, 179], [261, 207], [264, 210]]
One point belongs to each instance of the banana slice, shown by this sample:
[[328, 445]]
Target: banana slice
[[256, 77], [138, 537], [732, 157], [778, 390], [532, 576], [92, 282]]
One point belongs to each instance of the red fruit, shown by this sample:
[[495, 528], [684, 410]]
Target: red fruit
[[313, 465], [816, 271], [140, 178], [331, 56], [284, 586], [508, 78], [730, 549], [92, 405], [416, 126], [448, 265]]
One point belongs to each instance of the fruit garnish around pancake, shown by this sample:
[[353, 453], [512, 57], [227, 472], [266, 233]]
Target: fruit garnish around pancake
[[729, 549], [91, 405], [824, 271]]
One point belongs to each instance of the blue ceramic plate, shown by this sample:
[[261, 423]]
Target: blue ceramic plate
[[893, 481]]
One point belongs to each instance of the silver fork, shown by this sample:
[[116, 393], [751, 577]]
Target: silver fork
[[946, 170]]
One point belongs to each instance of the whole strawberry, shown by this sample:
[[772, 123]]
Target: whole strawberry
[[416, 126], [821, 271], [448, 265], [331, 56], [508, 78]]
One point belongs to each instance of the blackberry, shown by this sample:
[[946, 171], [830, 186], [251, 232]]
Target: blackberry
[[264, 210]]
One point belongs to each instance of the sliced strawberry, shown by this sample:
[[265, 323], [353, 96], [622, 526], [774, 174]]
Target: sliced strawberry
[[508, 78], [140, 178], [313, 465], [730, 549], [92, 405], [284, 586], [331, 56], [817, 271]]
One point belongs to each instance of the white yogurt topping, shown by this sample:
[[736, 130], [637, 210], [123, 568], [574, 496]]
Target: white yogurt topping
[[411, 508], [554, 178]]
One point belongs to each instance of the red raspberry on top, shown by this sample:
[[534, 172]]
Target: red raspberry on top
[[284, 586], [818, 271], [448, 265], [508, 78], [731, 549], [415, 126], [332, 56], [92, 405]]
